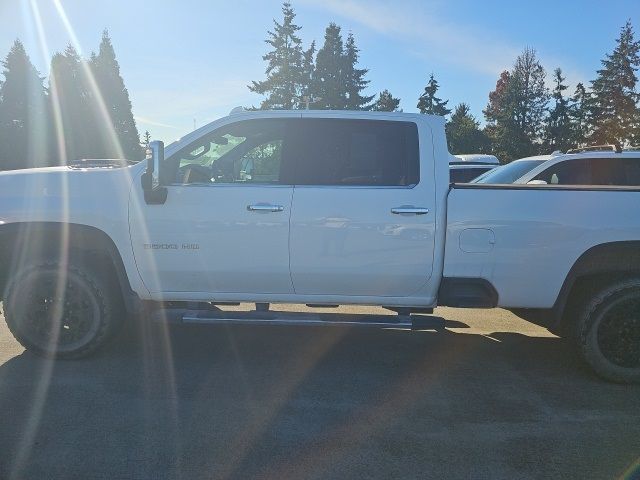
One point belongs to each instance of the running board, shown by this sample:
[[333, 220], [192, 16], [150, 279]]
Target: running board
[[293, 322], [256, 318]]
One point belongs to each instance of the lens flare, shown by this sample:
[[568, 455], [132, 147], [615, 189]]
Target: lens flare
[[633, 472], [108, 130], [136, 213]]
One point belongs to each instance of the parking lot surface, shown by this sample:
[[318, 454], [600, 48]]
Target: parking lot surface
[[490, 396]]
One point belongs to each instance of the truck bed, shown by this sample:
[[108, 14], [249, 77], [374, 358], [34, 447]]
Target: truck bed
[[524, 239]]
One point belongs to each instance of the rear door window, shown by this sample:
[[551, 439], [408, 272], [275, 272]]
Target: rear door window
[[355, 152]]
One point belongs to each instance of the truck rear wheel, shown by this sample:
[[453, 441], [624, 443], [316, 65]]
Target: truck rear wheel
[[608, 332], [61, 311]]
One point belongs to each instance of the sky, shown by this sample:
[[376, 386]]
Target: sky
[[189, 62]]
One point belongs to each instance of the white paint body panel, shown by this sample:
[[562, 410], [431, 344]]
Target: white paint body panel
[[539, 233], [94, 197], [238, 251], [346, 241]]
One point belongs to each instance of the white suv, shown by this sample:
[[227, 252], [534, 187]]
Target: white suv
[[587, 167]]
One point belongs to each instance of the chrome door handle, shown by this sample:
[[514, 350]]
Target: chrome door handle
[[409, 210], [265, 207]]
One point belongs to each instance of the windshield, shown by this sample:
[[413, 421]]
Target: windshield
[[508, 173]]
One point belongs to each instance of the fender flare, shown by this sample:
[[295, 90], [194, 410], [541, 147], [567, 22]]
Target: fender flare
[[22, 239], [617, 258]]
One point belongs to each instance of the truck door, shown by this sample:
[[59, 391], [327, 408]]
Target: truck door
[[362, 219], [225, 225]]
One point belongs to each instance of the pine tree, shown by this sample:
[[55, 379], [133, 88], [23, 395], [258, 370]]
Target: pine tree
[[429, 103], [70, 98], [506, 138], [501, 128], [516, 109], [613, 110], [464, 134], [285, 65], [329, 83], [558, 133], [354, 78], [530, 93], [308, 67], [386, 102], [579, 111], [146, 140], [23, 113], [115, 97]]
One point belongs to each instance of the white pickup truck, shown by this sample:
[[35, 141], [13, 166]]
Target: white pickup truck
[[318, 208]]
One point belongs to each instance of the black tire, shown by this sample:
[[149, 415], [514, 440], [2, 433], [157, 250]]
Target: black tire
[[608, 331], [63, 312]]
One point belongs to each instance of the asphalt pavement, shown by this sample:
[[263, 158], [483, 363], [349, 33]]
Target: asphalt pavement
[[490, 396]]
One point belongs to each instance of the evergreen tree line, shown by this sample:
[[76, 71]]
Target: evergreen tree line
[[83, 112], [298, 78], [523, 116]]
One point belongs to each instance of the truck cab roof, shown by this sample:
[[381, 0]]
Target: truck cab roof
[[238, 114]]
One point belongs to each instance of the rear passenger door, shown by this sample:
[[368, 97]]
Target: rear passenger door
[[362, 218]]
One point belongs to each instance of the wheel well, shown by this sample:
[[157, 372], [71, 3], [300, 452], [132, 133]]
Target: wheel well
[[22, 242], [596, 267]]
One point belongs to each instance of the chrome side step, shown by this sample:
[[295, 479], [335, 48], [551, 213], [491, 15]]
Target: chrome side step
[[292, 322], [220, 317]]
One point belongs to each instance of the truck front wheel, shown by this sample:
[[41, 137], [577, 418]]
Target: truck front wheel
[[61, 311], [609, 331]]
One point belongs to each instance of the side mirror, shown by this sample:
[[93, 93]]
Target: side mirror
[[537, 182], [155, 158], [154, 191]]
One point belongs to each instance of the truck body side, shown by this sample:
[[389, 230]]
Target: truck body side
[[521, 240], [395, 233]]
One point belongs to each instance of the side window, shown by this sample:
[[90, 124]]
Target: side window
[[608, 171], [631, 167], [570, 172], [250, 151], [261, 164], [355, 152], [594, 171], [616, 171]]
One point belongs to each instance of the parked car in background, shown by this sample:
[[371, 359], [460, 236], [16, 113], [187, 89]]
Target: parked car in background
[[465, 168], [600, 165], [591, 166]]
